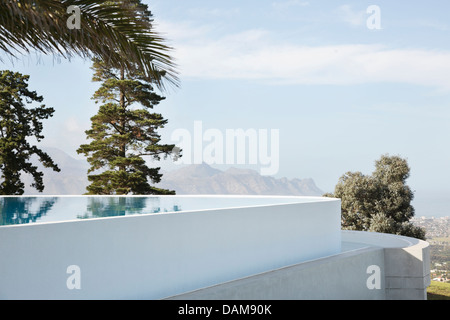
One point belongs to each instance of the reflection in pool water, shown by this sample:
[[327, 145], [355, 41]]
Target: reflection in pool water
[[23, 210], [110, 207], [35, 209]]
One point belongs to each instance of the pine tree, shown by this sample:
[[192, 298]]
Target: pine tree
[[17, 123], [124, 131]]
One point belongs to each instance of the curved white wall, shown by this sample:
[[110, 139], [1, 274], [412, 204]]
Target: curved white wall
[[406, 263], [371, 266], [159, 255]]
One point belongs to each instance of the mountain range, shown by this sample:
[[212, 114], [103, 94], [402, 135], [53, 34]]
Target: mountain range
[[204, 179], [71, 180], [191, 179]]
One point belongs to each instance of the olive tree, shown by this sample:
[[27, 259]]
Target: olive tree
[[380, 202]]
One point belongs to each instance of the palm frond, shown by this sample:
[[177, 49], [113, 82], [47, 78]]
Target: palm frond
[[117, 31]]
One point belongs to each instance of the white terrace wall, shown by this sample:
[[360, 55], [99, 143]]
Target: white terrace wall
[[372, 266], [159, 255]]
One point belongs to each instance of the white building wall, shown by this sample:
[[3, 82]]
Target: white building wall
[[160, 255], [293, 251], [371, 266]]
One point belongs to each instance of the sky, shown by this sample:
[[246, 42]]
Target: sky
[[340, 83]]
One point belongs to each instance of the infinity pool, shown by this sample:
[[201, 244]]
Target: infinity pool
[[152, 247], [39, 209]]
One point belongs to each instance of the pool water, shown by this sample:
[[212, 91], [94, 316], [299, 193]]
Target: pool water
[[39, 209]]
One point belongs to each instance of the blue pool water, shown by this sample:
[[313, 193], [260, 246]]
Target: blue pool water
[[29, 209]]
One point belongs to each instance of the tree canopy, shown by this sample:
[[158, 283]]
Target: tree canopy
[[17, 123], [123, 132], [380, 202]]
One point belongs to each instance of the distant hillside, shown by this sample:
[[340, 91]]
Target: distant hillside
[[193, 179], [71, 180], [203, 179]]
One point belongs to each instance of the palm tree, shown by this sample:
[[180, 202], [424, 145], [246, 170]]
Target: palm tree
[[117, 31]]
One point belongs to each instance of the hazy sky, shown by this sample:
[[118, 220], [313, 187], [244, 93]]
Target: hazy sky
[[340, 92]]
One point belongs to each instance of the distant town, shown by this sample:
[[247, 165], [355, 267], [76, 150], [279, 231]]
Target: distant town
[[435, 227], [438, 235]]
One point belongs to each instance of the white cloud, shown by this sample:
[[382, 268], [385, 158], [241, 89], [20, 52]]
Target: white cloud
[[254, 54], [182, 31]]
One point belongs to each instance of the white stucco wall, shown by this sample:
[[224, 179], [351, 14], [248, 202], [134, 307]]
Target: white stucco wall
[[371, 266], [160, 255]]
